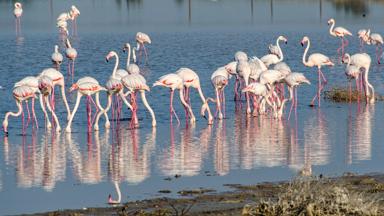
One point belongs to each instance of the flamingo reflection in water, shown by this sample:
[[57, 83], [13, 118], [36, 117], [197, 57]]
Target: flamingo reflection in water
[[181, 157], [221, 150], [87, 167], [359, 135], [128, 161], [41, 164]]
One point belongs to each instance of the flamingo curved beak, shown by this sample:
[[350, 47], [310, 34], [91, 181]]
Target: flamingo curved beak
[[302, 44]]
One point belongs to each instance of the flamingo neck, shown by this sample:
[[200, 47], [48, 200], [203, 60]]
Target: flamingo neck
[[56, 49], [331, 29], [129, 55], [305, 53], [116, 65], [281, 58]]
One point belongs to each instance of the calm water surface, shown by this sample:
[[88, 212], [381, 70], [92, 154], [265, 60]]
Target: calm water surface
[[46, 171]]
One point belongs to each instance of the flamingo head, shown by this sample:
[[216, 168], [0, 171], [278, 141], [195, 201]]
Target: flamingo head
[[73, 87], [346, 58], [283, 39], [331, 21], [126, 47], [110, 55], [18, 5], [231, 67], [304, 40]]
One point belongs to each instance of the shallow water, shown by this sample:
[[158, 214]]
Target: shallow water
[[46, 171]]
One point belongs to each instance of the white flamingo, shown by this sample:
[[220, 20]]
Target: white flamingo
[[340, 32], [316, 60]]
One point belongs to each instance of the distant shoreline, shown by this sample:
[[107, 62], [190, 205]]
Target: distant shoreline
[[227, 203]]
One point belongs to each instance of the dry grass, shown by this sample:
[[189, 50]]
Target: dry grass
[[338, 94], [309, 197]]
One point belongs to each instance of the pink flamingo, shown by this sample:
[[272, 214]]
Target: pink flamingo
[[63, 28], [86, 89], [173, 82], [318, 60], [376, 39], [293, 80], [115, 87], [57, 79], [141, 39], [231, 69], [74, 13], [18, 12], [272, 58], [191, 79], [135, 82], [71, 54], [341, 33], [363, 35], [219, 80], [20, 94], [363, 62], [57, 58], [46, 88], [31, 82]]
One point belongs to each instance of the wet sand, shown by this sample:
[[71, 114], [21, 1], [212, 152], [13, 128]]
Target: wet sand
[[207, 202]]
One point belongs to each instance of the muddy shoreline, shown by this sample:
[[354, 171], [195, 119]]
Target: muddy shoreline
[[201, 202]]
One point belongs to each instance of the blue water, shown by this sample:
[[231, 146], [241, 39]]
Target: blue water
[[44, 171]]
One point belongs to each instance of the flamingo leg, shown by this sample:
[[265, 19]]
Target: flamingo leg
[[172, 110], [223, 99], [34, 114], [29, 114], [186, 99], [146, 54], [292, 105], [350, 91], [22, 122], [296, 102]]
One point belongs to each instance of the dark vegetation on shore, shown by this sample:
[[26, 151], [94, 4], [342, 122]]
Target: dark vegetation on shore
[[310, 196]]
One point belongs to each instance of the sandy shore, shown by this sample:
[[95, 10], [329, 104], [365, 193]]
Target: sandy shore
[[205, 202]]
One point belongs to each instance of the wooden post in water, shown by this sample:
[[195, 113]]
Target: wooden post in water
[[321, 9], [271, 11], [189, 12]]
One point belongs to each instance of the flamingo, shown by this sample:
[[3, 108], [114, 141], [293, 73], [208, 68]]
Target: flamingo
[[340, 32], [318, 60], [58, 79], [71, 54], [63, 28], [135, 82], [18, 12], [293, 80], [241, 56], [57, 58], [363, 35], [46, 88], [244, 71], [64, 16], [219, 80], [87, 89], [112, 201], [274, 59], [376, 39], [20, 94], [285, 70], [74, 13], [114, 86], [363, 62], [191, 79], [353, 72], [173, 82], [259, 89], [141, 39], [31, 82]]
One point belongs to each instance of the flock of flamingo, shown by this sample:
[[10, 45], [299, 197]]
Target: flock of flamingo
[[261, 80]]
